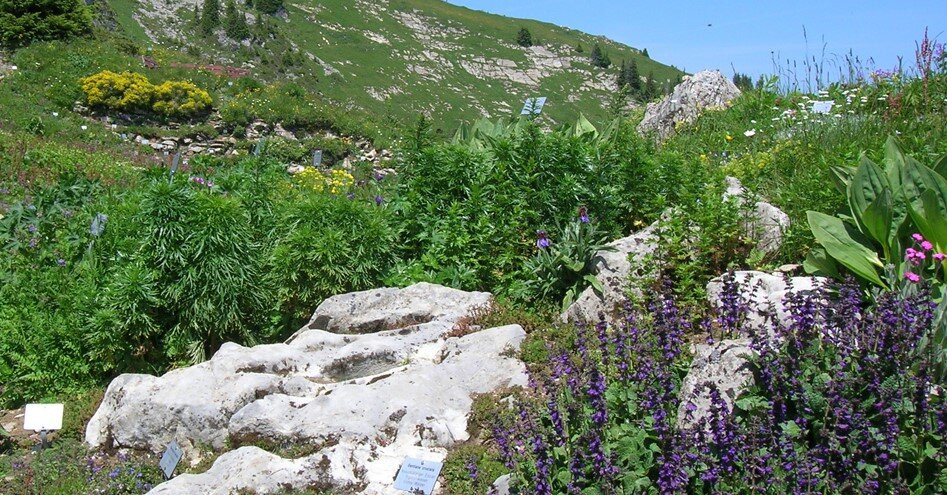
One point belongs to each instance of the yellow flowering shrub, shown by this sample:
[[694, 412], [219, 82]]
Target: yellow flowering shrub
[[751, 164], [125, 91], [180, 98], [130, 91], [335, 181]]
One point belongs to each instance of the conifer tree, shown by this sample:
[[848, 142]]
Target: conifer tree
[[650, 88], [236, 22], [633, 78], [599, 58], [210, 17], [645, 53], [623, 77], [524, 38]]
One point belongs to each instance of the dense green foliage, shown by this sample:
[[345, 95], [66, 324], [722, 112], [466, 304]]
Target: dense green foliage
[[23, 21]]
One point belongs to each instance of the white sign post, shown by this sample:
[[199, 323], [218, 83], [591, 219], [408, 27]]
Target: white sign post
[[43, 418], [417, 476], [533, 106]]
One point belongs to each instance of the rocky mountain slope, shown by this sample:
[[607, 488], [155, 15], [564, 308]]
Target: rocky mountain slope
[[398, 58]]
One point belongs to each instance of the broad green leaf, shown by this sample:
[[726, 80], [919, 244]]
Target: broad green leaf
[[841, 176], [790, 429], [866, 184], [894, 158], [930, 217], [576, 266], [818, 262], [583, 127], [595, 283], [940, 166], [877, 219], [917, 178], [839, 243]]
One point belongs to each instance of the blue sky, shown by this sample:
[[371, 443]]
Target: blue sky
[[744, 33]]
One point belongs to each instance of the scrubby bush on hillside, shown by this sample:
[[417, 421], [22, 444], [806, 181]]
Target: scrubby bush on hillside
[[133, 92], [23, 21], [471, 209], [268, 6], [332, 244]]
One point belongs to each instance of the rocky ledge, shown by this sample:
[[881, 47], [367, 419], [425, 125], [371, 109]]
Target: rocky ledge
[[375, 376]]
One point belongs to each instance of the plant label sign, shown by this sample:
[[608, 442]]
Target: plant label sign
[[170, 459], [823, 107], [416, 476], [43, 417], [316, 158], [534, 106]]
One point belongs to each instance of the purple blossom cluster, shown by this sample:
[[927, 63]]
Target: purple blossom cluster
[[843, 402]]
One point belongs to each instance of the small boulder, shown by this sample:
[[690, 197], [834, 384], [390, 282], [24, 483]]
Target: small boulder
[[764, 296], [725, 365]]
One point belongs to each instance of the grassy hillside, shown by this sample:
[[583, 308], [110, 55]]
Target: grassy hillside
[[398, 58]]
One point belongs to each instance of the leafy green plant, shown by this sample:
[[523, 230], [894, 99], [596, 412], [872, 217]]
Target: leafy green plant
[[565, 267], [23, 21], [886, 204], [329, 244]]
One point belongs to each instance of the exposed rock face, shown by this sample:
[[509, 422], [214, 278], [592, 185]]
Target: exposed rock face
[[765, 296], [613, 268], [383, 382], [626, 261], [702, 91], [764, 223], [726, 365]]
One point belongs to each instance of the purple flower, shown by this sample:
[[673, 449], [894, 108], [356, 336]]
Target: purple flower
[[61, 262], [583, 215], [472, 469], [32, 229], [379, 200], [542, 239]]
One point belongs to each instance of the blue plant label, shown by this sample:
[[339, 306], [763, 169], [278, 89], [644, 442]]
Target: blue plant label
[[823, 107], [170, 459], [534, 106], [98, 224], [417, 476]]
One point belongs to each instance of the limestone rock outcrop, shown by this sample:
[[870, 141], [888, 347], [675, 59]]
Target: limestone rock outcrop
[[702, 91], [373, 377]]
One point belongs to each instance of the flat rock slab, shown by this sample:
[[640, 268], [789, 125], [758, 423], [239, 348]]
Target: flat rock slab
[[373, 377], [362, 432]]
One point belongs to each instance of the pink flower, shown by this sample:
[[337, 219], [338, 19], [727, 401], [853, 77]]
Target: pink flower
[[918, 237], [927, 245], [910, 253], [940, 256], [913, 277]]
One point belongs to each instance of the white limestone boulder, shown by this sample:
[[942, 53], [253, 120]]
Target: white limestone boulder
[[708, 89], [726, 366], [361, 432], [765, 296], [195, 404]]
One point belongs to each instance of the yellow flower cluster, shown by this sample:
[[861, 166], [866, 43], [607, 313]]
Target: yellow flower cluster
[[130, 91], [335, 181], [750, 164]]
